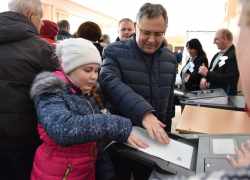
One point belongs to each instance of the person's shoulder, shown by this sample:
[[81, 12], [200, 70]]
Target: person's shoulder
[[231, 51], [43, 46], [203, 57], [119, 47], [118, 44], [169, 54], [46, 82]]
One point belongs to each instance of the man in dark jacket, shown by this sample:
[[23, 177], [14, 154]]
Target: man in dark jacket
[[64, 29], [125, 29], [138, 78], [223, 70], [23, 56]]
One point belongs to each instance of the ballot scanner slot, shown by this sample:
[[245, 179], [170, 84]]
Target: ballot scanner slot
[[159, 165]]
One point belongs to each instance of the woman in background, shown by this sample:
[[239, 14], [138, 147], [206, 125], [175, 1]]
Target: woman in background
[[92, 32], [49, 31], [189, 74]]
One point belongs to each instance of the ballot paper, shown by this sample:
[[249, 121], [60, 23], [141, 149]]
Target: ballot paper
[[174, 152], [178, 79]]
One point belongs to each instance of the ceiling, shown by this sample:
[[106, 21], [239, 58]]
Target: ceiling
[[184, 15]]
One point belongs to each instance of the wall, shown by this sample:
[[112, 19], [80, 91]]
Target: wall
[[76, 14], [176, 41]]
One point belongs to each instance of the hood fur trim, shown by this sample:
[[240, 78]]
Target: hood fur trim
[[46, 82]]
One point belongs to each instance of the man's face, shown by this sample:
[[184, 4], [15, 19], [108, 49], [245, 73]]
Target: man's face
[[243, 55], [150, 33], [126, 29], [219, 40], [37, 20]]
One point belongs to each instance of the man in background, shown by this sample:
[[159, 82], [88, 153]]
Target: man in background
[[64, 30], [106, 40], [223, 70], [125, 29]]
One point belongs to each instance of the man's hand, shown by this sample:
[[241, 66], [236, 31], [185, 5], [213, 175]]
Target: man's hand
[[203, 70], [136, 141], [187, 77], [243, 156], [155, 127], [203, 84]]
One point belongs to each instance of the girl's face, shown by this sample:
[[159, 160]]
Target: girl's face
[[85, 76]]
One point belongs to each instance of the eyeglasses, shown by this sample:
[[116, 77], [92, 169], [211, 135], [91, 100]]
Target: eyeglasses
[[157, 35]]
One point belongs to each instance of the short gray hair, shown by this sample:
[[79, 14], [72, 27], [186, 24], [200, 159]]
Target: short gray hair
[[151, 11], [106, 38], [24, 6]]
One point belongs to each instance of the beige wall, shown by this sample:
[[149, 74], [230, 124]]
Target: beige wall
[[76, 14], [78, 10], [176, 41]]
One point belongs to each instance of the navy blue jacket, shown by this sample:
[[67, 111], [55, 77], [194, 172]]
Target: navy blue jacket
[[67, 117], [133, 86], [68, 120], [63, 35]]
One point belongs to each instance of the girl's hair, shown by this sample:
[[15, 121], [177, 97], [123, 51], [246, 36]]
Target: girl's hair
[[195, 44], [97, 97]]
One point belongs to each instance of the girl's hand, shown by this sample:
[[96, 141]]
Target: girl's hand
[[136, 142], [243, 156]]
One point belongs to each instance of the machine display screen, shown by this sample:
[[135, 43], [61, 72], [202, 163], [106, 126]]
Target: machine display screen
[[223, 146]]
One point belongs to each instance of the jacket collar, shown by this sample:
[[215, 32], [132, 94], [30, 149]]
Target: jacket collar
[[62, 32], [232, 47], [73, 86]]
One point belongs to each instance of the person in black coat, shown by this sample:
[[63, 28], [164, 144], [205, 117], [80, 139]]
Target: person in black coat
[[23, 56], [190, 76], [64, 30], [223, 71]]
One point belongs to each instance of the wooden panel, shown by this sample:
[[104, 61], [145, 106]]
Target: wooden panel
[[213, 121]]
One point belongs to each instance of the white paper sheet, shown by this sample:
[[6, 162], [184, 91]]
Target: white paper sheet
[[175, 152], [178, 79]]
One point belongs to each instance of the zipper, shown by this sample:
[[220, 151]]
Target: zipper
[[93, 112], [92, 156], [92, 153], [92, 147], [69, 169]]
